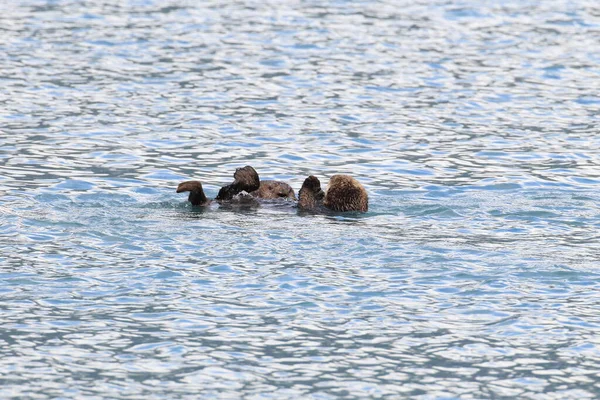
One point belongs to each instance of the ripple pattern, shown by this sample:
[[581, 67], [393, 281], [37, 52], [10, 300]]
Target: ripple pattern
[[473, 126]]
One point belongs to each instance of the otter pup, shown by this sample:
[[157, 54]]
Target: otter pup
[[244, 179], [344, 193]]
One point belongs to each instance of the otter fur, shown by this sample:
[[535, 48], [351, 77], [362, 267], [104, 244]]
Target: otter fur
[[310, 196], [344, 193], [197, 196], [274, 190], [245, 181]]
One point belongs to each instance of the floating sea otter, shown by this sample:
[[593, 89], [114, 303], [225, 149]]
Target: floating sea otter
[[244, 180], [344, 193]]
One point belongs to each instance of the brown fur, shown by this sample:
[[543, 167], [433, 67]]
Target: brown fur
[[274, 190], [344, 193], [197, 196], [244, 179], [310, 195]]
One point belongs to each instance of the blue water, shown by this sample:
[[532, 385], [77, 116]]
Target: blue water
[[472, 124]]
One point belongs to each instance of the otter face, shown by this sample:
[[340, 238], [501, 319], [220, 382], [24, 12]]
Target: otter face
[[344, 193], [274, 190]]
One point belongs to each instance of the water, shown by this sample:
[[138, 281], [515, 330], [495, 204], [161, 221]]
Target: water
[[472, 124]]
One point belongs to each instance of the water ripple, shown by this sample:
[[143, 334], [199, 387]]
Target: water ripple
[[471, 124]]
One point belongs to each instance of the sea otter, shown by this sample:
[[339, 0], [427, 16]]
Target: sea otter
[[344, 193], [245, 179]]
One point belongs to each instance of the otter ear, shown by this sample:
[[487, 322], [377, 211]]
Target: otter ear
[[189, 186]]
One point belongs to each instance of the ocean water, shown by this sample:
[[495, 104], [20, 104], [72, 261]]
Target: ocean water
[[472, 124]]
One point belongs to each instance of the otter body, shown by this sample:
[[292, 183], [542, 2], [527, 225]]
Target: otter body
[[245, 189], [244, 180], [344, 193]]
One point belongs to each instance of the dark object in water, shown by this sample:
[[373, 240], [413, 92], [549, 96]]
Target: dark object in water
[[246, 186], [310, 196], [197, 196], [344, 193], [244, 179]]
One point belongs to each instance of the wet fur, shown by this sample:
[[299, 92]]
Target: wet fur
[[244, 179], [244, 189], [310, 196], [344, 193], [274, 190], [197, 196]]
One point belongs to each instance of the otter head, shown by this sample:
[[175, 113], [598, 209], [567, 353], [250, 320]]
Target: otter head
[[344, 193], [274, 190], [310, 194], [197, 196], [244, 179]]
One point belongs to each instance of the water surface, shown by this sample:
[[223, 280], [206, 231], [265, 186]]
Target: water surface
[[473, 126]]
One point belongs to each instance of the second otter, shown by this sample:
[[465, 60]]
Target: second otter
[[344, 193]]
